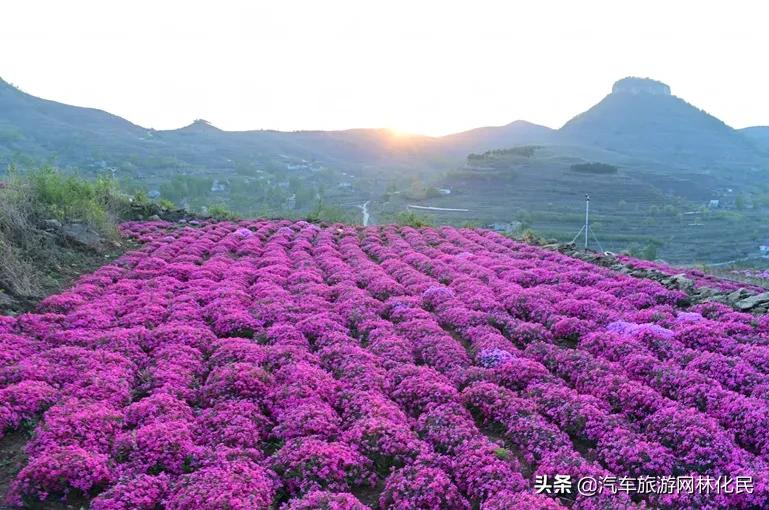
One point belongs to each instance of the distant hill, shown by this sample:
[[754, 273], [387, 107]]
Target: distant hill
[[39, 130], [759, 135], [641, 117], [31, 127], [34, 130], [647, 157], [519, 132]]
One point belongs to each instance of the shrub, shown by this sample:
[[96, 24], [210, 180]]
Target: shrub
[[144, 492], [59, 472], [386, 442], [310, 464], [235, 485], [594, 168], [158, 447], [323, 500], [234, 423], [412, 219], [419, 486], [221, 212]]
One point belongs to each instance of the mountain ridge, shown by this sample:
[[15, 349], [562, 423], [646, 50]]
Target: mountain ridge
[[646, 119], [639, 118], [669, 163]]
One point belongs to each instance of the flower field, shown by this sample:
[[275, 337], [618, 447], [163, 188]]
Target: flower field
[[286, 365]]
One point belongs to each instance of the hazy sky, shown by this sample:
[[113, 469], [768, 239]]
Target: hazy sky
[[430, 67]]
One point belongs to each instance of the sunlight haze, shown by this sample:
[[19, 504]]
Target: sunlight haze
[[417, 67]]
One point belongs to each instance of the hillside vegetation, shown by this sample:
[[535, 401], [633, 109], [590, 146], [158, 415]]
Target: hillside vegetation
[[53, 227], [684, 217]]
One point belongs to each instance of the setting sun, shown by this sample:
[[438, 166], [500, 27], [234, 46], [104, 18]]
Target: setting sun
[[400, 133]]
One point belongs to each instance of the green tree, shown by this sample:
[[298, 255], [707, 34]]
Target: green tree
[[412, 219], [647, 251]]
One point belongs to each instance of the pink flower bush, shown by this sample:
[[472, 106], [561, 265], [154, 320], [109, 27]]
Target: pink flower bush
[[92, 426], [233, 423], [238, 485], [323, 500], [301, 381], [483, 470], [416, 392], [307, 418], [386, 442], [157, 407], [59, 471], [161, 446], [144, 492], [446, 427], [520, 500], [237, 323], [307, 464], [418, 486], [243, 380], [22, 401]]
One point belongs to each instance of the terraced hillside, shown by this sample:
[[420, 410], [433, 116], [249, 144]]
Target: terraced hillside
[[636, 205]]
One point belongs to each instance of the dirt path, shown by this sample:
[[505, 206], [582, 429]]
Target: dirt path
[[12, 459]]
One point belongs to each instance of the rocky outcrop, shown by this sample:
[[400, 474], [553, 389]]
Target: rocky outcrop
[[82, 235], [633, 85], [152, 212], [753, 302], [742, 299]]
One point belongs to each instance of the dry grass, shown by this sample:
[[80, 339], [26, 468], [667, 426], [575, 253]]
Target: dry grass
[[30, 251], [17, 236], [17, 273]]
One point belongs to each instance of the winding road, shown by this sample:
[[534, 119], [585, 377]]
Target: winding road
[[431, 208], [364, 209]]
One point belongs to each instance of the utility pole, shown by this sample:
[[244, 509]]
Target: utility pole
[[586, 227], [587, 216]]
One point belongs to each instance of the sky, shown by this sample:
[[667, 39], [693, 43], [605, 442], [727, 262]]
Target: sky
[[418, 66]]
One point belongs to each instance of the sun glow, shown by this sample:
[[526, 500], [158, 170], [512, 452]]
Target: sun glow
[[399, 133], [405, 134]]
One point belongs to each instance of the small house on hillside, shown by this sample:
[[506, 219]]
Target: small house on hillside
[[764, 249], [714, 204]]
